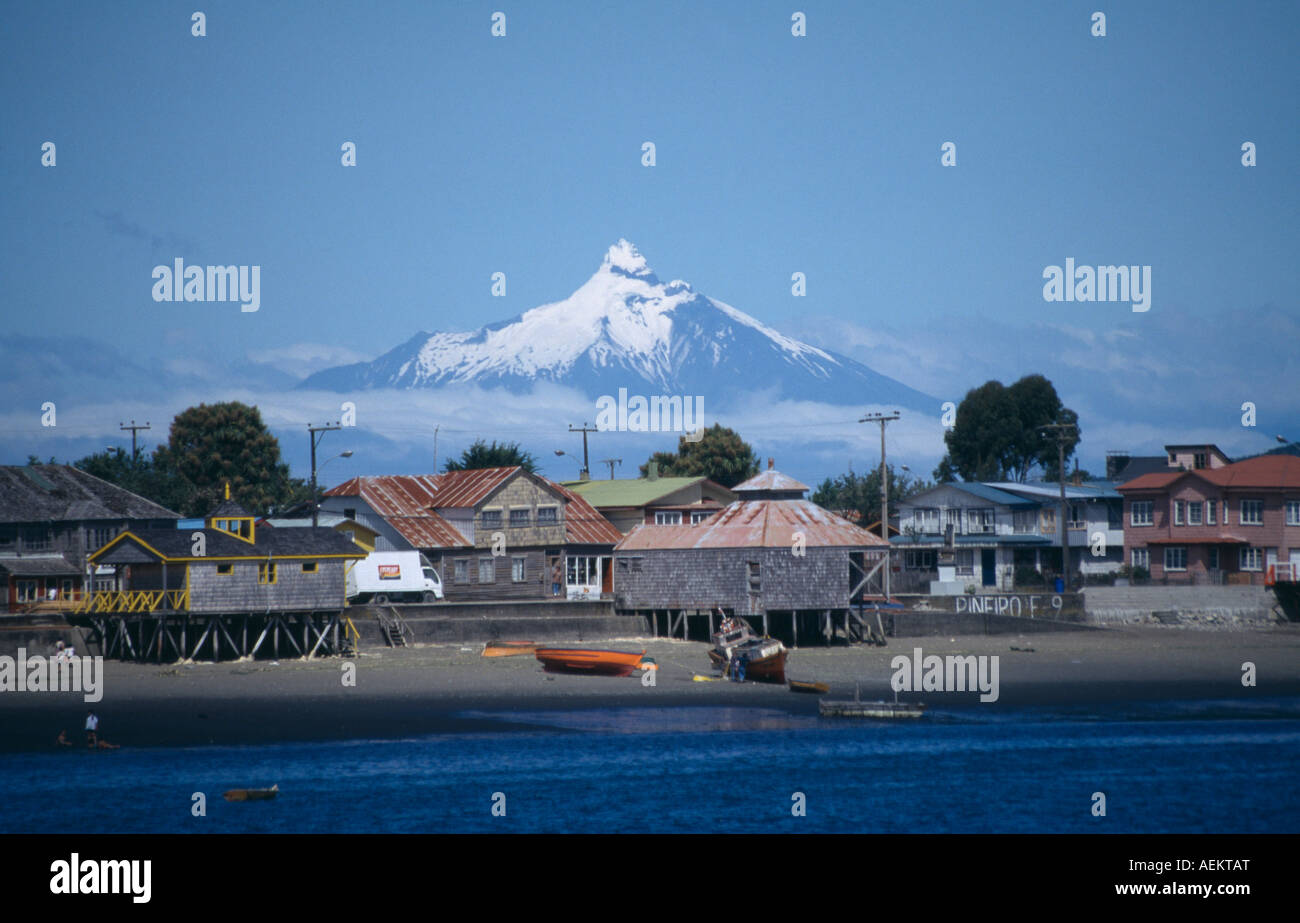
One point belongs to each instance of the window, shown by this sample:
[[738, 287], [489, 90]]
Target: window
[[920, 560], [1140, 513], [99, 536], [1209, 511], [1252, 512], [1024, 521], [460, 570], [65, 588], [1179, 507], [1198, 460], [952, 518], [487, 570], [266, 572], [669, 518], [755, 582], [518, 569], [349, 512], [26, 591], [1212, 558], [1194, 513], [1252, 558], [309, 567], [1141, 558], [699, 517], [1176, 558], [1293, 512], [582, 570], [225, 570], [1047, 519], [520, 518], [491, 519], [36, 539], [547, 515], [981, 521], [927, 520], [965, 561]]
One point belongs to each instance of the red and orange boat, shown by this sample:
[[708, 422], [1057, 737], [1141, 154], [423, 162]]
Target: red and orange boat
[[581, 660], [509, 648]]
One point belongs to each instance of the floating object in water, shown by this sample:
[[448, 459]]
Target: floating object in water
[[860, 709], [252, 794], [508, 648], [581, 660], [815, 688]]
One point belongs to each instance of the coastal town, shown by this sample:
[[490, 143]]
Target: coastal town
[[1188, 536]]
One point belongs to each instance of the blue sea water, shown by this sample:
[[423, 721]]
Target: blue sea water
[[1213, 767]]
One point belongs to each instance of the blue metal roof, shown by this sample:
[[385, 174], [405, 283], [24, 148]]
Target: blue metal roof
[[993, 494], [936, 541]]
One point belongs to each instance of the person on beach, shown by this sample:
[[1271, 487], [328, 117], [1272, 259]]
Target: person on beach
[[92, 729], [63, 739], [60, 655], [556, 576]]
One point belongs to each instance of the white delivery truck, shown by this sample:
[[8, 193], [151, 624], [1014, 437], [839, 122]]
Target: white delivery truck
[[393, 576]]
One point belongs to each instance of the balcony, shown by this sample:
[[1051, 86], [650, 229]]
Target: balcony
[[135, 601]]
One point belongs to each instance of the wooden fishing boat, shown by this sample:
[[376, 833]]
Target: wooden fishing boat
[[252, 794], [764, 657], [814, 688], [509, 648], [582, 660]]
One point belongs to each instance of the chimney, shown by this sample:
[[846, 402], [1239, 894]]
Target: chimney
[[652, 471], [771, 462], [1077, 478]]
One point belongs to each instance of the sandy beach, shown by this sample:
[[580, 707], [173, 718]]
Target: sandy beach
[[430, 688]]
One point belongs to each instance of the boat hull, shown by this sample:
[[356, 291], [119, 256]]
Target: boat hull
[[508, 648], [580, 660]]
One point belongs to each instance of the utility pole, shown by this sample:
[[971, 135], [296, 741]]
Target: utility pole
[[133, 427], [586, 470], [1059, 430], [317, 434], [882, 419], [435, 447], [611, 462]]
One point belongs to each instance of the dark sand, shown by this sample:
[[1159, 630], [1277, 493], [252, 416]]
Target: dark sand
[[427, 689]]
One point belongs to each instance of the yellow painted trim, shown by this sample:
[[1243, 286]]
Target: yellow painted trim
[[128, 532]]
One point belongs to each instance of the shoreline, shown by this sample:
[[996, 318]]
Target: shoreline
[[426, 689]]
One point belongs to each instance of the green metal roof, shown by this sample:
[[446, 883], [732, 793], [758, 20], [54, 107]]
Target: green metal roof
[[628, 491]]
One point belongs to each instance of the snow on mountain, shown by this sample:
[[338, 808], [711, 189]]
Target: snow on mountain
[[625, 328]]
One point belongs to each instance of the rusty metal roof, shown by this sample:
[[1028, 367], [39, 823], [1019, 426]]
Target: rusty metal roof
[[409, 503], [770, 479], [756, 524], [583, 524], [1278, 472]]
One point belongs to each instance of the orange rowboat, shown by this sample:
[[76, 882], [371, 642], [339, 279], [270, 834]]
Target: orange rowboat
[[508, 648], [580, 660]]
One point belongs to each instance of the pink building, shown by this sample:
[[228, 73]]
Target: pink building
[[1227, 523]]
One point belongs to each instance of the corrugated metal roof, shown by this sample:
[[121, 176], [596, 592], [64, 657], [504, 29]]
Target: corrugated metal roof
[[1088, 491], [409, 503], [631, 491], [583, 524], [770, 479], [1265, 471], [756, 524], [976, 489]]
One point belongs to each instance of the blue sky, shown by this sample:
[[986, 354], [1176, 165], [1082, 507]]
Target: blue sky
[[775, 154]]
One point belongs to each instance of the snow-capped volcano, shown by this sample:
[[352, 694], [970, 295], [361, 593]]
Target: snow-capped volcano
[[625, 328]]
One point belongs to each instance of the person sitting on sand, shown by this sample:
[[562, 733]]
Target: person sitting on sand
[[105, 745], [63, 739]]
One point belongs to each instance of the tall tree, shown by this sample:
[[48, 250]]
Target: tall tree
[[720, 455], [212, 445], [997, 435], [483, 455], [861, 492], [140, 476]]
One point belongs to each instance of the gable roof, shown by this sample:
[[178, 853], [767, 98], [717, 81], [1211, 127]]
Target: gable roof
[[770, 480], [755, 524], [61, 493], [975, 489], [634, 491], [1277, 472], [409, 503], [178, 544]]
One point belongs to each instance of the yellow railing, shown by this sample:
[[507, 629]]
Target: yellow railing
[[350, 632], [134, 601]]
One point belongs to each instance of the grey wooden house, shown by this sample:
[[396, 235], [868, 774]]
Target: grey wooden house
[[771, 553], [228, 566]]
